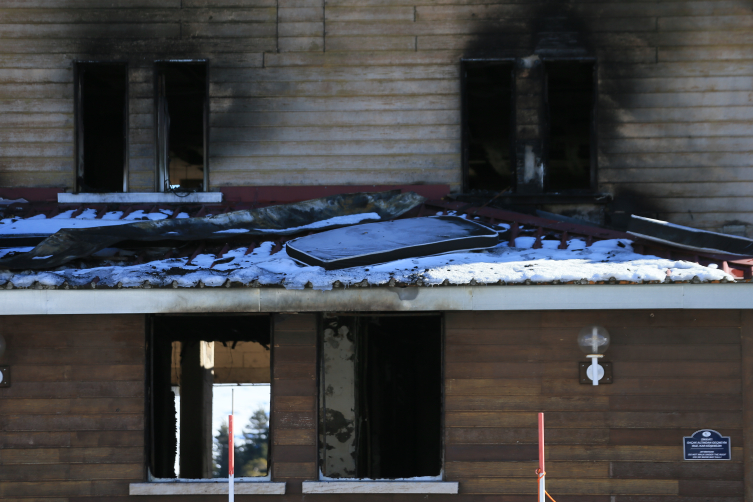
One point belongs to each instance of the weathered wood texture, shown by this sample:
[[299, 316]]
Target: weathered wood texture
[[747, 391], [367, 91], [674, 373], [72, 422], [294, 391]]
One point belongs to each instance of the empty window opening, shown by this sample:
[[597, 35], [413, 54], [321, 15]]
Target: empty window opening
[[181, 125], [488, 125], [570, 99], [381, 397], [101, 127], [196, 361]]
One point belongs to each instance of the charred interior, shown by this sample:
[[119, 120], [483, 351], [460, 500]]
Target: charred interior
[[101, 126], [181, 116], [192, 356], [381, 397], [570, 99], [488, 125]]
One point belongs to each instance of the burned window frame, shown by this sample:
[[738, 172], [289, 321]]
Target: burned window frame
[[320, 420], [150, 442], [464, 114], [78, 145], [161, 166], [593, 126], [541, 191]]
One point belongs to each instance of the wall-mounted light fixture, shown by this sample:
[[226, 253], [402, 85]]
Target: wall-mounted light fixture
[[4, 370], [594, 341]]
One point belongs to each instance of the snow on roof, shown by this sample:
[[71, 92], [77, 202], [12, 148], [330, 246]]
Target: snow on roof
[[42, 225], [603, 261]]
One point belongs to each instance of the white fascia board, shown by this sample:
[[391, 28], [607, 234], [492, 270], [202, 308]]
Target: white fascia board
[[128, 301], [397, 487], [367, 299], [418, 299], [206, 488], [140, 198], [578, 297]]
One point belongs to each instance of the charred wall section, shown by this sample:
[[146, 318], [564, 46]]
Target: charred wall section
[[368, 92]]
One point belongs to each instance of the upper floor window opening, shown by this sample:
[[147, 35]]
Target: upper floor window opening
[[101, 124], [529, 126], [181, 116], [571, 107], [488, 133]]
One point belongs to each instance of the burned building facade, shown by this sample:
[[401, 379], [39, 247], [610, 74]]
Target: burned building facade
[[592, 109], [420, 383]]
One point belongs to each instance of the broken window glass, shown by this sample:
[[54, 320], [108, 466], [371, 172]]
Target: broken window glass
[[570, 99], [488, 125], [198, 362], [101, 127], [381, 397], [181, 125]]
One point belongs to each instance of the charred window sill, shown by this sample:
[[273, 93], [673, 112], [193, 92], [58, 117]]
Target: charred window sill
[[207, 488], [412, 487], [523, 199], [140, 198]]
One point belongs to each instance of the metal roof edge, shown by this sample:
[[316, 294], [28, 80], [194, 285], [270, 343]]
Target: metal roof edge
[[419, 299]]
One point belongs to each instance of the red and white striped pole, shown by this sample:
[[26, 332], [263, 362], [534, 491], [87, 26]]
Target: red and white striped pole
[[231, 452], [541, 472]]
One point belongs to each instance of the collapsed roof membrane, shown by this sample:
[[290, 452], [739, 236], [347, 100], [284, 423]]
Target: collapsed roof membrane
[[689, 238], [286, 219], [371, 243]]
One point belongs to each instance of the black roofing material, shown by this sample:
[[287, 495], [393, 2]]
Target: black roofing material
[[72, 243], [371, 243], [689, 238]]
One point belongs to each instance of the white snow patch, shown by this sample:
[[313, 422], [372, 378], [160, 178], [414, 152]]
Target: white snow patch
[[602, 261], [87, 214], [34, 226], [141, 214], [64, 214], [6, 251], [232, 231], [42, 257], [349, 219]]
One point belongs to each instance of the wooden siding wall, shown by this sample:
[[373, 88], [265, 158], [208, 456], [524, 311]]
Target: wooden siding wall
[[367, 91], [72, 422], [674, 372], [294, 391]]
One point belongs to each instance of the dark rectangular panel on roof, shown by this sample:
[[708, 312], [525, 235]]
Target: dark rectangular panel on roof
[[689, 238], [372, 243]]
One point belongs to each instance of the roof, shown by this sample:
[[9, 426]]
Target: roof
[[533, 250]]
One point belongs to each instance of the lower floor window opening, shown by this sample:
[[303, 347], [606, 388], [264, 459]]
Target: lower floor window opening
[[380, 397], [200, 365]]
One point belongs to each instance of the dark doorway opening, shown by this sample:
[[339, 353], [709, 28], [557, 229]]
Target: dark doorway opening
[[195, 361], [570, 99], [381, 396], [488, 119], [181, 125], [101, 126]]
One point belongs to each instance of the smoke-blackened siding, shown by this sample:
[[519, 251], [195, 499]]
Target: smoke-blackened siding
[[368, 91]]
